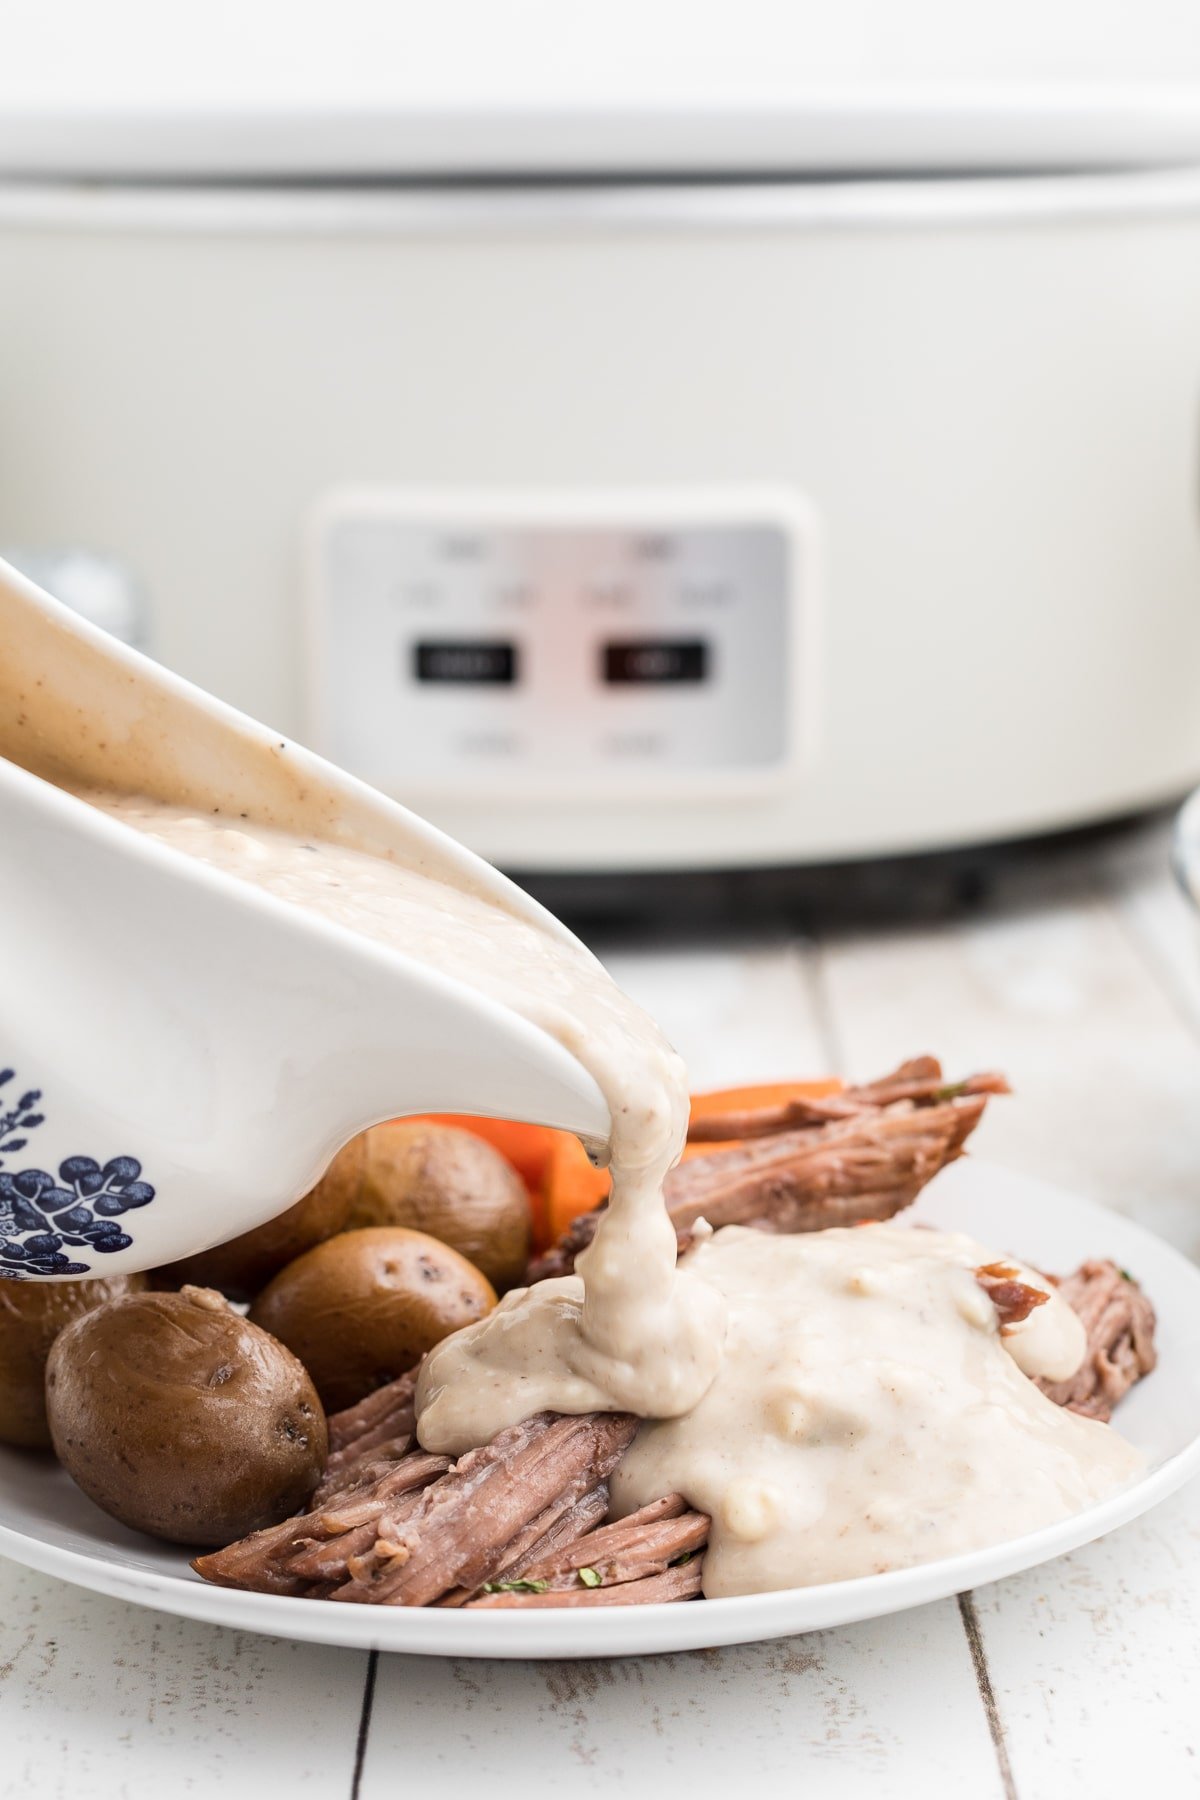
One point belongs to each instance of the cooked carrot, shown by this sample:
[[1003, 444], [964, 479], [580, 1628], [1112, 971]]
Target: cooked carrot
[[527, 1147], [554, 1166], [573, 1185], [750, 1099]]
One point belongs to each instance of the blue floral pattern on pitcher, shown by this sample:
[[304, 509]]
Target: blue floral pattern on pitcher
[[42, 1216]]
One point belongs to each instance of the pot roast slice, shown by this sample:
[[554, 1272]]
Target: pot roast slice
[[643, 1543], [419, 1528], [389, 1412], [265, 1560], [383, 1426], [863, 1154], [463, 1522], [1119, 1320], [919, 1080]]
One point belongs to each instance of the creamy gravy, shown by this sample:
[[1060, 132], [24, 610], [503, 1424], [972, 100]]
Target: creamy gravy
[[868, 1413], [841, 1403], [647, 1339]]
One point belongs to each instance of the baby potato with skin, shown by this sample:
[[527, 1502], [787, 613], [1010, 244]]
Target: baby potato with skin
[[363, 1307], [244, 1264], [182, 1419], [449, 1183], [32, 1313]]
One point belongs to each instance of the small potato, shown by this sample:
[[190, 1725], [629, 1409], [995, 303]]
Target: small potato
[[451, 1184], [182, 1419], [364, 1307], [243, 1265], [32, 1313]]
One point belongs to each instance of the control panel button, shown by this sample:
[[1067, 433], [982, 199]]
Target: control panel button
[[655, 662], [522, 644], [465, 662]]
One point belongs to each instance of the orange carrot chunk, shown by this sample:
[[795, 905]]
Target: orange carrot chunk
[[554, 1165]]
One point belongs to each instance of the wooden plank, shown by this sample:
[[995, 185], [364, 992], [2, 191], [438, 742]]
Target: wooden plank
[[889, 1707], [1095, 1662], [100, 1698]]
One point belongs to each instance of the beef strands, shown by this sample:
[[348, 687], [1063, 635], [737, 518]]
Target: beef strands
[[389, 1412], [463, 1523], [287, 1558], [643, 1543], [920, 1081], [867, 1167], [509, 1524], [654, 1554], [1119, 1321], [1116, 1315], [383, 1427], [867, 1158], [543, 1536], [420, 1530]]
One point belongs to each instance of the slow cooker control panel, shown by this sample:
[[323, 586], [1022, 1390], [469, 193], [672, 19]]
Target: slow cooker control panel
[[528, 647]]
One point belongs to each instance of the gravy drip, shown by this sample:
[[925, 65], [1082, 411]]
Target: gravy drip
[[631, 1333]]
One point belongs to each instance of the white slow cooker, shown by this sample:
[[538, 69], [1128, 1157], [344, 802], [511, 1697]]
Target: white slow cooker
[[639, 489]]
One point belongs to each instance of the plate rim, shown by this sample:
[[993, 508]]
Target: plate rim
[[656, 1629]]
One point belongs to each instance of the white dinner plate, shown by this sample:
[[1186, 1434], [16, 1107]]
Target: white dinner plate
[[48, 1524]]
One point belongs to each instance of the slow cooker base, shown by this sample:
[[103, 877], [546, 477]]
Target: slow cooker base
[[910, 889]]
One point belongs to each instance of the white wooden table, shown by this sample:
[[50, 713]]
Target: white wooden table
[[1080, 977]]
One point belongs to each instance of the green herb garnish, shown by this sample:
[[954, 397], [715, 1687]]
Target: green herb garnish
[[1126, 1276], [589, 1577], [515, 1587], [685, 1558]]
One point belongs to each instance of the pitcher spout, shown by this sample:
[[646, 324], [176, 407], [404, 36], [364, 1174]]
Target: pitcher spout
[[181, 1053]]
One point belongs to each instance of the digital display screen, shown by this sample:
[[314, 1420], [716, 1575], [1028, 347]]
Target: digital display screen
[[653, 662], [471, 662]]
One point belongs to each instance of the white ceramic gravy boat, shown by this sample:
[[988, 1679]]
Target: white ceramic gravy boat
[[181, 1054]]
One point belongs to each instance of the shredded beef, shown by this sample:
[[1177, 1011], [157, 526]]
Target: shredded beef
[[419, 1529], [460, 1524], [548, 1533], [868, 1162], [382, 1427], [283, 1559], [1119, 1321], [920, 1081], [644, 1543], [528, 1508]]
